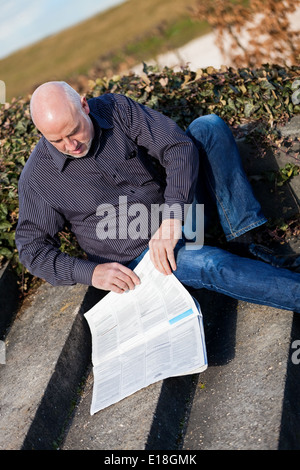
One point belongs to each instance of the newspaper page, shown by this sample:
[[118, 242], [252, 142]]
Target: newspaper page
[[144, 335]]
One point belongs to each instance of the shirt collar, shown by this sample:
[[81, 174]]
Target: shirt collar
[[60, 159]]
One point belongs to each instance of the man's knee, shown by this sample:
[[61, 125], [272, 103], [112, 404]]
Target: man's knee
[[208, 129], [204, 123]]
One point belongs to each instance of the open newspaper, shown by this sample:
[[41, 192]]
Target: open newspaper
[[144, 335]]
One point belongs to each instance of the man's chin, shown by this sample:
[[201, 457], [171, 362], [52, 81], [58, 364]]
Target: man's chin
[[80, 153]]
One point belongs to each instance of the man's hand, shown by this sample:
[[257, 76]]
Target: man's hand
[[114, 277], [162, 245]]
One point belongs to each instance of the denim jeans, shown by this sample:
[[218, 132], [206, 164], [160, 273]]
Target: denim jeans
[[222, 181]]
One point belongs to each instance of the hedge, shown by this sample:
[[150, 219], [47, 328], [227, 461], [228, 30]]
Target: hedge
[[268, 94]]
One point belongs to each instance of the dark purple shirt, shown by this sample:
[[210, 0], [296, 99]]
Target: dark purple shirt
[[56, 190]]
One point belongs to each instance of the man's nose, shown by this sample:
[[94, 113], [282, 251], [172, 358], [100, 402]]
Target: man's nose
[[70, 144]]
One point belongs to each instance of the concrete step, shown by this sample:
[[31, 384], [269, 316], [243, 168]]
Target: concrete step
[[246, 399], [47, 355]]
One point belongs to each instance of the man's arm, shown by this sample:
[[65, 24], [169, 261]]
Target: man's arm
[[39, 250], [179, 156], [38, 244]]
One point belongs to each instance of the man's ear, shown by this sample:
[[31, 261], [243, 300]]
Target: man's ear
[[85, 105]]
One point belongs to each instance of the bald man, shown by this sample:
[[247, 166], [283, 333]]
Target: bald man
[[95, 170], [70, 130]]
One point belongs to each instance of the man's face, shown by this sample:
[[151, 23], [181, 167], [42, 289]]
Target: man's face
[[72, 133]]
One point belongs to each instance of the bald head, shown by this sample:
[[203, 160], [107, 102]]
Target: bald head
[[61, 115], [50, 99]]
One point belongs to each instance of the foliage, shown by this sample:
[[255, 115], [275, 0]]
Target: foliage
[[284, 174], [238, 96], [254, 32], [17, 139]]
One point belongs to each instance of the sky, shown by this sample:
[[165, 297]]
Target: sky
[[24, 22]]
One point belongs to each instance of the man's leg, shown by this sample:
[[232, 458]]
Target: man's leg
[[222, 176], [241, 278]]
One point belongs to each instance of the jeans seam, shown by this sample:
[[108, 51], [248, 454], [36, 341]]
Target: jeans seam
[[221, 205], [254, 224], [233, 233]]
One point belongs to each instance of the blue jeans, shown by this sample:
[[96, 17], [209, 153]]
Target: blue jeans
[[222, 181]]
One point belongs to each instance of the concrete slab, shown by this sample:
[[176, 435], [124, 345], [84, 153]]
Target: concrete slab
[[47, 352], [238, 405], [152, 418], [123, 426], [246, 399]]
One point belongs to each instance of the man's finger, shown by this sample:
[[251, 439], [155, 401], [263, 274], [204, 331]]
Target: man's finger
[[115, 277], [129, 276], [171, 258], [156, 260], [165, 262], [160, 261]]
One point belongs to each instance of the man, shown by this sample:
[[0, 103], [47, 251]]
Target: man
[[96, 156]]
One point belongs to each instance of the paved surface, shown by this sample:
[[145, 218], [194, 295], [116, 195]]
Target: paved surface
[[46, 358], [248, 398], [241, 404]]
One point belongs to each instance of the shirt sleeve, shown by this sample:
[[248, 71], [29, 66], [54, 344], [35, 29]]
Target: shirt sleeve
[[38, 243], [167, 142]]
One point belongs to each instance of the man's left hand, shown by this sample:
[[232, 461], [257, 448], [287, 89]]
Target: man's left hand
[[162, 245]]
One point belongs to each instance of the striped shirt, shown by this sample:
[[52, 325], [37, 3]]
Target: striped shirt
[[56, 190]]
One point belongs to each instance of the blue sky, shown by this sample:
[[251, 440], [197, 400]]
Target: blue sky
[[23, 22]]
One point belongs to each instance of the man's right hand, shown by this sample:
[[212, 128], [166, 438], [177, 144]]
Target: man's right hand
[[114, 277]]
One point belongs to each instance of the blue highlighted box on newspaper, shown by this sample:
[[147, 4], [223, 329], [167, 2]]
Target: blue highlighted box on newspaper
[[181, 316]]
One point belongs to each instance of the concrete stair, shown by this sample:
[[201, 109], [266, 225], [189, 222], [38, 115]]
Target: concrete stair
[[246, 399]]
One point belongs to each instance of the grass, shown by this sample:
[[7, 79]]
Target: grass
[[174, 36], [136, 29], [160, 41]]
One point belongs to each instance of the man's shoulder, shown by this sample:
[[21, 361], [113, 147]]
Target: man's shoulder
[[108, 99], [110, 109], [40, 154], [107, 102]]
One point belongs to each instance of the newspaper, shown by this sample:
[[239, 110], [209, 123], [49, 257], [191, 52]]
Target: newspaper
[[144, 335]]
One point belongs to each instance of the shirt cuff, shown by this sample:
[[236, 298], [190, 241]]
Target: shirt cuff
[[173, 210], [83, 271]]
